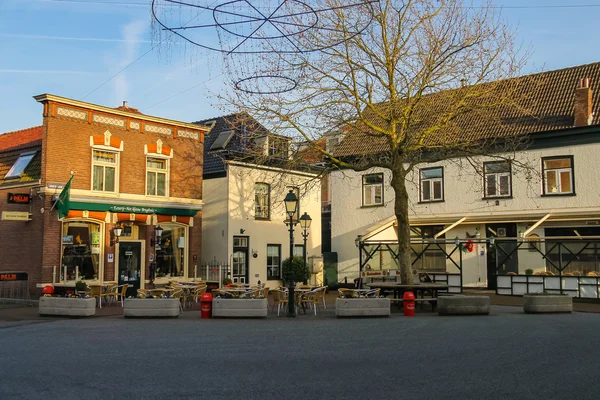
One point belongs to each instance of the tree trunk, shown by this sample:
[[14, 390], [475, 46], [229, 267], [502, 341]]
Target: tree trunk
[[401, 211]]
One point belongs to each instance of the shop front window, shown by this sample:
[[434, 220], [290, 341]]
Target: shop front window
[[81, 249], [170, 251]]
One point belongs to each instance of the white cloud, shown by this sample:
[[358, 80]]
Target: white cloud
[[131, 34]]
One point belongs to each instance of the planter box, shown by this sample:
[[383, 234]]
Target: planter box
[[151, 308], [240, 308], [376, 307], [463, 305], [67, 306], [547, 304]]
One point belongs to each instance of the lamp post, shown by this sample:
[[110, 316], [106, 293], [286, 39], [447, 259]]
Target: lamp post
[[305, 221], [291, 204], [155, 241]]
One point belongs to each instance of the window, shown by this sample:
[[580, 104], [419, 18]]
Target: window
[[496, 179], [297, 193], [373, 190], [104, 167], [157, 170], [278, 147], [19, 166], [82, 247], [273, 261], [432, 184], [558, 175], [171, 251], [261, 200], [299, 250], [221, 140]]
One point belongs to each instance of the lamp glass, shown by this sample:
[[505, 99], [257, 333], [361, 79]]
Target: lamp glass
[[117, 231], [305, 221], [291, 203], [159, 231]]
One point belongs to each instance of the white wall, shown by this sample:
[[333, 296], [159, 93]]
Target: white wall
[[214, 221], [273, 231], [463, 196]]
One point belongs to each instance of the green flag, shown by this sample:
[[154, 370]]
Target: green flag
[[63, 203]]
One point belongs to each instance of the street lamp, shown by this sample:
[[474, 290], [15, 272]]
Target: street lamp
[[291, 204], [305, 221]]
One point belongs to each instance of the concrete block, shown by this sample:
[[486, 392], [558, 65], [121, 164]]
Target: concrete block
[[151, 308], [67, 306], [547, 304], [373, 307], [239, 308], [463, 305]]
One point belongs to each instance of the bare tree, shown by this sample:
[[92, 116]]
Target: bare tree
[[426, 81]]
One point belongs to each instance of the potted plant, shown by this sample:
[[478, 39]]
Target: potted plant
[[80, 288], [529, 271], [226, 281]]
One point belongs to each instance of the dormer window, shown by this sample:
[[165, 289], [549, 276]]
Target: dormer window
[[222, 140], [278, 147], [19, 166]]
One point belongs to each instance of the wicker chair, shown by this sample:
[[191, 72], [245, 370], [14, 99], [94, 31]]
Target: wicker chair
[[115, 293]]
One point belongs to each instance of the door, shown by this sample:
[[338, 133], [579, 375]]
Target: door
[[130, 261], [503, 256], [239, 262]]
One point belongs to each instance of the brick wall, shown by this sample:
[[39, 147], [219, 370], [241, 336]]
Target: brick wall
[[67, 145]]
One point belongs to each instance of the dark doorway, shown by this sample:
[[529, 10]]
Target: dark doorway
[[130, 258], [502, 257]]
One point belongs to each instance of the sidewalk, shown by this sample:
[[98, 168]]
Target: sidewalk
[[17, 315]]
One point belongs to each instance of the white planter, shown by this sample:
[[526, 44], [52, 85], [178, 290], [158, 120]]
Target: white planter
[[547, 304], [239, 308], [375, 307], [67, 306], [151, 308], [457, 305]]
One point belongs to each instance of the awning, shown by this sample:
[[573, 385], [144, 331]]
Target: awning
[[128, 209]]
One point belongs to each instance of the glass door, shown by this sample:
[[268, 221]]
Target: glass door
[[239, 267], [130, 256]]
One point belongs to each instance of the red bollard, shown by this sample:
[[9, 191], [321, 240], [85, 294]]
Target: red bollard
[[206, 305], [408, 300]]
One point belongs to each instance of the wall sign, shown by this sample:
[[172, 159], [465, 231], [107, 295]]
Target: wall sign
[[13, 276], [16, 216], [19, 198]]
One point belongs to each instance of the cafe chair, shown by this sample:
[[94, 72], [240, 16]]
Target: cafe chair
[[116, 293], [282, 300], [96, 292]]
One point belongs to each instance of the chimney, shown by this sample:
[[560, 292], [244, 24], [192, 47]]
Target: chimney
[[125, 104], [583, 103]]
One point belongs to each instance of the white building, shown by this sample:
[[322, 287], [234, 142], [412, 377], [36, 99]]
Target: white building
[[244, 214], [557, 197]]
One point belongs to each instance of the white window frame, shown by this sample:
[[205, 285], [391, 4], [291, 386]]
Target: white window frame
[[268, 207], [166, 171], [497, 176], [116, 166], [431, 183], [558, 172], [270, 266], [370, 201]]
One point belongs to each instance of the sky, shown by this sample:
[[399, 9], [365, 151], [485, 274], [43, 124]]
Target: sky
[[72, 48]]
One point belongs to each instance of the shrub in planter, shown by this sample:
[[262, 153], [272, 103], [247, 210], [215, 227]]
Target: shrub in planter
[[294, 269], [528, 271], [80, 288], [226, 281]]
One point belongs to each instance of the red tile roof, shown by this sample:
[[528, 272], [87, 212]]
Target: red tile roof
[[19, 139]]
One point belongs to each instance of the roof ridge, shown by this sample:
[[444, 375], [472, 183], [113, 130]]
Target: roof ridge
[[21, 130], [221, 116]]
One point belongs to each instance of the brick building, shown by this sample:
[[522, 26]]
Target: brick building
[[131, 171]]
